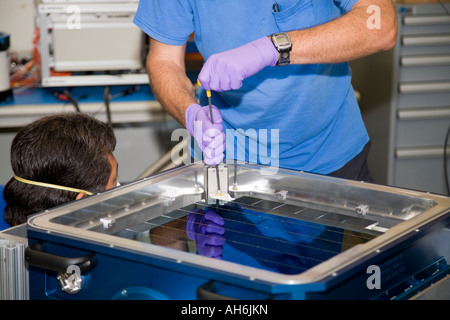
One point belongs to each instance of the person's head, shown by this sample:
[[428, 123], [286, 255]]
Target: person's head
[[70, 149]]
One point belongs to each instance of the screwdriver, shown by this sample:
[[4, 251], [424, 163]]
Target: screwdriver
[[208, 95]]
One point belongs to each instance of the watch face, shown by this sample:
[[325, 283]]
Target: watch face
[[283, 40]]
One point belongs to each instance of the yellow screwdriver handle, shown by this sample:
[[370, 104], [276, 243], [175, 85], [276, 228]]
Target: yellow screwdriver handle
[[208, 92]]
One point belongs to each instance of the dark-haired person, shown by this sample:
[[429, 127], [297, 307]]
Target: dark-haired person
[[57, 159]]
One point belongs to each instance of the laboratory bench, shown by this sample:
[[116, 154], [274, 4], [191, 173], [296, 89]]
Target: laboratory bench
[[142, 127]]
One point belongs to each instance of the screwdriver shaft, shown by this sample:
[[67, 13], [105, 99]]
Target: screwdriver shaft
[[208, 95]]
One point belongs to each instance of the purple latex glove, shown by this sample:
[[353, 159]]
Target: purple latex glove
[[207, 230], [227, 70], [210, 137]]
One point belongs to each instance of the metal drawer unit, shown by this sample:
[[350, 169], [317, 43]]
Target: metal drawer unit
[[407, 105], [423, 109]]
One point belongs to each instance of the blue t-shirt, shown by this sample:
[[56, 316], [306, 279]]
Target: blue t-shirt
[[3, 223], [302, 117]]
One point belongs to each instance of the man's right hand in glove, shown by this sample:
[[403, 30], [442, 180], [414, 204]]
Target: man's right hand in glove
[[210, 137]]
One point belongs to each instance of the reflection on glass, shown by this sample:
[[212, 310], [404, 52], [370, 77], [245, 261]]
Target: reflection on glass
[[264, 234]]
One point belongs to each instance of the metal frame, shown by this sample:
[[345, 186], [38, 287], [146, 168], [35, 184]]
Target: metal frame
[[410, 224]]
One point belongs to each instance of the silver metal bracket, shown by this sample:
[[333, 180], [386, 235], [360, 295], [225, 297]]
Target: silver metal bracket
[[214, 191], [71, 281]]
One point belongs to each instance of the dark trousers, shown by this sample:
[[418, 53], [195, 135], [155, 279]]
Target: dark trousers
[[356, 169]]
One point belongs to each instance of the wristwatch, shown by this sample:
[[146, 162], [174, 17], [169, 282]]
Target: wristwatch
[[283, 44]]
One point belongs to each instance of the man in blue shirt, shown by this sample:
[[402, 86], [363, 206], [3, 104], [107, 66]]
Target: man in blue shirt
[[278, 73]]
